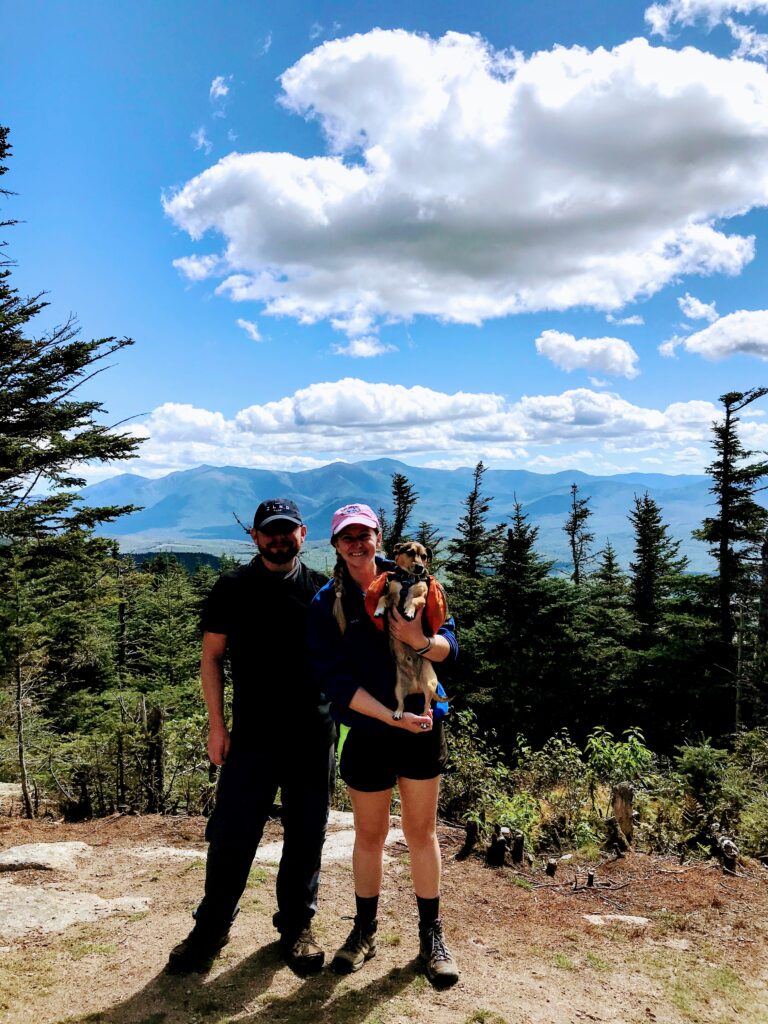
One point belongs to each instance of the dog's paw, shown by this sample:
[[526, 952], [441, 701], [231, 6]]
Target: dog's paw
[[409, 616], [378, 613], [397, 715]]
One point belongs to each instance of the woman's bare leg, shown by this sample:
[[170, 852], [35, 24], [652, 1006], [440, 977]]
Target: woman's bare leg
[[418, 802], [371, 812]]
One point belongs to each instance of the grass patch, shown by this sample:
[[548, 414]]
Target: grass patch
[[79, 950], [564, 962], [419, 985], [390, 939], [596, 962], [257, 876], [485, 1017], [692, 985], [521, 883]]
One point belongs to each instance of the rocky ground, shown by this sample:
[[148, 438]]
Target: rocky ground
[[85, 938]]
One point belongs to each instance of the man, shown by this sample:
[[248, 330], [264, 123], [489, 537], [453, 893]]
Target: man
[[282, 736]]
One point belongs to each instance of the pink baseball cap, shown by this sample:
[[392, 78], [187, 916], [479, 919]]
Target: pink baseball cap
[[349, 515]]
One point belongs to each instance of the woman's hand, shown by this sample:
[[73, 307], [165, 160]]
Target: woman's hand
[[409, 632], [416, 723]]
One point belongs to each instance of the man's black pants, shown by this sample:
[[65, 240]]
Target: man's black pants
[[248, 784]]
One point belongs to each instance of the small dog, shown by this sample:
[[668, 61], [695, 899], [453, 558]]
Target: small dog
[[406, 589]]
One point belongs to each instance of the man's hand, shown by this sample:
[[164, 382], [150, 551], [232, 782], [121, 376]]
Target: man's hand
[[218, 744]]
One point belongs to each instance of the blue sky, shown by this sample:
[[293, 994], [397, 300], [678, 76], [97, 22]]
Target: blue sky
[[532, 233]]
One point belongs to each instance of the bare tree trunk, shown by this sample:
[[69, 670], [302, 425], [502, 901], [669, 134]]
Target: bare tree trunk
[[621, 800], [21, 740], [121, 608], [155, 759]]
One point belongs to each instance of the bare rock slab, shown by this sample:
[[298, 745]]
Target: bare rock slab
[[629, 920], [166, 853], [44, 856], [27, 908], [338, 847]]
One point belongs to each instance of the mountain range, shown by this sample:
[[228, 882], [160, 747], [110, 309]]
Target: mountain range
[[194, 510]]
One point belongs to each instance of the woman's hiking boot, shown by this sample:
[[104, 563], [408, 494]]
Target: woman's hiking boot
[[360, 945], [439, 965]]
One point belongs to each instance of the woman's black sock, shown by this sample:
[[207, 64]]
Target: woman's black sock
[[429, 910], [367, 907]]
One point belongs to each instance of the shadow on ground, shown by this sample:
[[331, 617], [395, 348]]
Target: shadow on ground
[[172, 999]]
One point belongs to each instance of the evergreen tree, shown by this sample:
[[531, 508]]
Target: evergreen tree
[[477, 548], [427, 535], [736, 532], [49, 564], [579, 537], [404, 498], [610, 582], [45, 432], [529, 653], [657, 565]]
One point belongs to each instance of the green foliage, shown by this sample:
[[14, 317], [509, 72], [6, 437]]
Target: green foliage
[[612, 761], [702, 770], [478, 785]]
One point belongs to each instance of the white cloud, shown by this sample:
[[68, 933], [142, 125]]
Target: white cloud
[[466, 183], [695, 309], [597, 383], [744, 332], [219, 87], [201, 140], [355, 419], [251, 329], [198, 268], [751, 43], [667, 348], [607, 355], [661, 17], [264, 47], [364, 348], [626, 321]]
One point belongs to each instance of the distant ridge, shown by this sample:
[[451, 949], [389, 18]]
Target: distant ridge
[[192, 510]]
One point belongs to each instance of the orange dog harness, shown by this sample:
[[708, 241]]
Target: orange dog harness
[[435, 612]]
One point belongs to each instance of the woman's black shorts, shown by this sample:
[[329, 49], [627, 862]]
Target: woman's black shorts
[[372, 761]]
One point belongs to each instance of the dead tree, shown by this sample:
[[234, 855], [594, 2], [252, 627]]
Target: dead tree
[[622, 798], [615, 836]]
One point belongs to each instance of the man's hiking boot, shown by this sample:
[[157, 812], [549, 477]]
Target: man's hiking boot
[[360, 946], [301, 952], [197, 951], [439, 965]]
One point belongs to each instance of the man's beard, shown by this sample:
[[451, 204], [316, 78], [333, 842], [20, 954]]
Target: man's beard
[[286, 553]]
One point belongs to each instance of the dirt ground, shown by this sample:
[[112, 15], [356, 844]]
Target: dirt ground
[[527, 953]]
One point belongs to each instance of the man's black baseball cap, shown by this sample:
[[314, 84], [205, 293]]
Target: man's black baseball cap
[[277, 509]]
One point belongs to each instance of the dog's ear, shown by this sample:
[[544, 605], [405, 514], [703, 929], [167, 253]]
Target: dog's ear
[[399, 548], [429, 554]]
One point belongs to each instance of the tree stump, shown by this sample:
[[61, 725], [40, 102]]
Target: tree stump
[[517, 848], [551, 867], [621, 800], [616, 837], [726, 850], [472, 830], [497, 851]]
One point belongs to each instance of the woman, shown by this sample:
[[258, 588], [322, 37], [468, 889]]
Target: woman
[[356, 671]]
